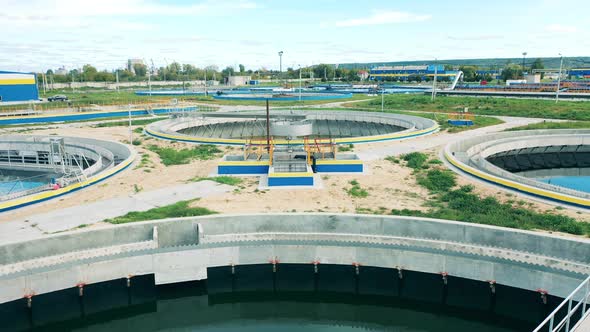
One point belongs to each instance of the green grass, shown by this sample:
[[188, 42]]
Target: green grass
[[415, 160], [229, 180], [345, 148], [356, 190], [176, 210], [170, 156], [139, 122], [554, 125], [464, 205], [437, 180], [539, 108]]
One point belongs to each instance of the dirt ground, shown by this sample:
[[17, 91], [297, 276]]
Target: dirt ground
[[389, 185]]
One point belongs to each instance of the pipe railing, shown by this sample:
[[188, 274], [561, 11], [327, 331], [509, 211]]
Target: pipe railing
[[581, 295]]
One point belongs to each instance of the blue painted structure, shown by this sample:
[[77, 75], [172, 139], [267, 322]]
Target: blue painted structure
[[339, 168], [460, 122], [87, 116], [242, 169], [290, 181], [15, 86], [292, 96]]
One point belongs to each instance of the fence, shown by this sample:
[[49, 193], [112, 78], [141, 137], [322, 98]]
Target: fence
[[581, 295]]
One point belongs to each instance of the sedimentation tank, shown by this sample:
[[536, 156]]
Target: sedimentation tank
[[345, 127], [61, 165], [504, 270], [527, 160]]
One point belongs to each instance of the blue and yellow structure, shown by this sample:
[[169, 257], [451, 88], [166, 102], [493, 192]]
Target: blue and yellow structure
[[521, 187], [277, 179], [50, 194], [15, 87], [65, 117]]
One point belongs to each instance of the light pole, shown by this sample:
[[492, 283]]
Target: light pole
[[434, 80], [382, 98], [299, 83], [280, 64], [559, 78], [523, 58]]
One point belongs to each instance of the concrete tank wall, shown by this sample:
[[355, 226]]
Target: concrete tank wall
[[182, 249]]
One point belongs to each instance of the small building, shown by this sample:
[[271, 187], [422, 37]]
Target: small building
[[238, 80], [15, 86], [533, 78]]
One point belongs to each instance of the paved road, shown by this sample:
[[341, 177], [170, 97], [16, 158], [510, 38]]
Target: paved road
[[87, 214]]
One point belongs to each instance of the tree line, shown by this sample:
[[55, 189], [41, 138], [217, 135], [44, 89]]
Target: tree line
[[187, 72]]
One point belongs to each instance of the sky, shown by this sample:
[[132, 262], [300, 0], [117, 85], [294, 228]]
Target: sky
[[36, 35]]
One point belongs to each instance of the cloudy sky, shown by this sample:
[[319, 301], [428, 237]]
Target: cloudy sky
[[40, 34]]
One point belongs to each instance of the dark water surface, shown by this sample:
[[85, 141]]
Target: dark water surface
[[294, 298]]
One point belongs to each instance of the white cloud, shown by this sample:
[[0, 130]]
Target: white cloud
[[475, 37], [385, 17], [43, 10], [559, 28]]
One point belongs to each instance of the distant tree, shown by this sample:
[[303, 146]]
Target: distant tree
[[227, 72], [140, 69], [352, 76], [537, 64], [511, 72], [469, 73], [89, 73], [49, 72], [242, 68]]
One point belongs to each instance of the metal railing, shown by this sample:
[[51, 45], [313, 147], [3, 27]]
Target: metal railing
[[581, 295]]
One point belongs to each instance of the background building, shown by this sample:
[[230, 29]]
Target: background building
[[405, 73], [16, 86]]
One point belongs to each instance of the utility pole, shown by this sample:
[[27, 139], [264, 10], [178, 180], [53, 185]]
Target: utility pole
[[117, 79], [280, 65], [299, 83], [382, 98], [205, 70], [130, 130], [434, 80], [559, 78]]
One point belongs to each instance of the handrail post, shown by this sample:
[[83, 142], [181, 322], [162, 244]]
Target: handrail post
[[569, 315]]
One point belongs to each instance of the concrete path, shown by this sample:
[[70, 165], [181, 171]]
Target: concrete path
[[438, 140], [87, 214]]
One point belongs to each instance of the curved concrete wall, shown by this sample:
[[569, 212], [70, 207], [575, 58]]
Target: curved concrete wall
[[114, 150], [415, 126], [469, 156], [177, 250]]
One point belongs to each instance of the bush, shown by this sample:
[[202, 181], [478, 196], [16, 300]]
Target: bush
[[176, 210], [437, 180], [415, 160], [170, 156]]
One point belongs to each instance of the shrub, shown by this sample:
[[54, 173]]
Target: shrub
[[437, 180], [415, 160]]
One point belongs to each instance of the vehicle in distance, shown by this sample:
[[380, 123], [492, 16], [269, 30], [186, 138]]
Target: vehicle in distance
[[58, 98]]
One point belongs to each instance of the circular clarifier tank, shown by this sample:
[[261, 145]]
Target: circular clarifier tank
[[344, 127]]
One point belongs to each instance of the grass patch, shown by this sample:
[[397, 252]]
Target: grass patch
[[170, 156], [554, 125], [538, 108], [229, 180], [437, 180], [464, 205], [345, 148], [176, 210], [356, 190], [138, 122], [415, 160]]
